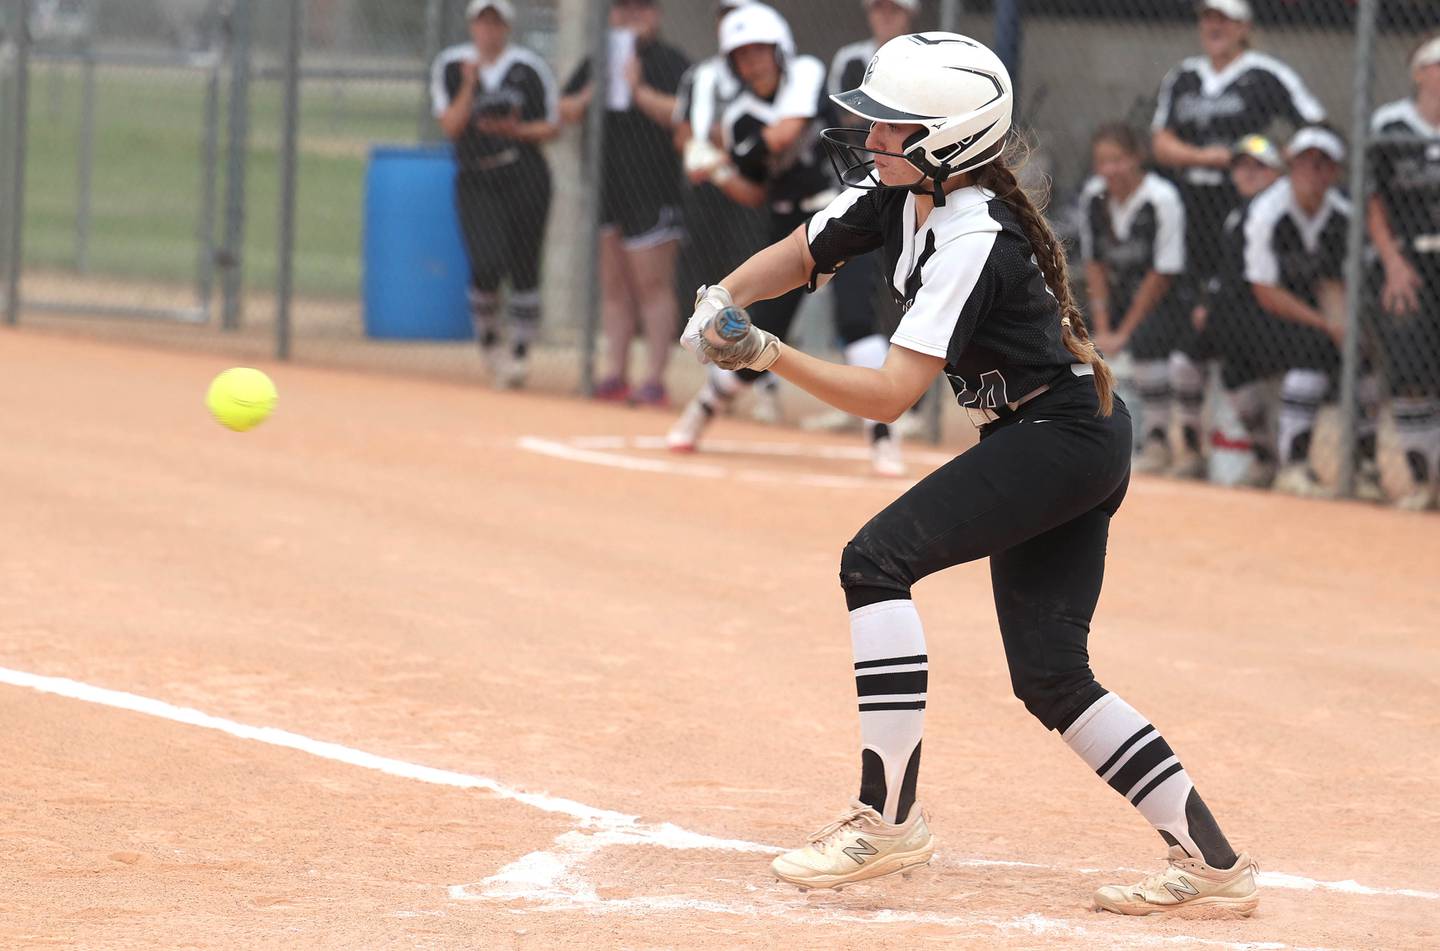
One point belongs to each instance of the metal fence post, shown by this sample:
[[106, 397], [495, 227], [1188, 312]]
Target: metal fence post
[[86, 161], [426, 129], [1355, 251], [209, 164], [232, 253], [289, 144], [599, 34], [950, 11], [17, 175]]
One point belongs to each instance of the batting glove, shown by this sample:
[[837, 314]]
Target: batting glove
[[757, 350], [709, 301]]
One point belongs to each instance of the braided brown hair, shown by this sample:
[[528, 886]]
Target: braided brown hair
[[999, 177]]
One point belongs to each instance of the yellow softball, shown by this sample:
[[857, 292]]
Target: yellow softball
[[241, 398]]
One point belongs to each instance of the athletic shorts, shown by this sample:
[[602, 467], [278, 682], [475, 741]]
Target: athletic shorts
[[645, 217]]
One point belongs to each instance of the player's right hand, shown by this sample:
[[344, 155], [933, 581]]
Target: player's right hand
[[1401, 294]]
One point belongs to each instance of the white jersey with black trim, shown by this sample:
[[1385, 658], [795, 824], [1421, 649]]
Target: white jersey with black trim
[[1286, 248], [518, 83], [705, 90], [967, 281], [1144, 233], [1406, 170]]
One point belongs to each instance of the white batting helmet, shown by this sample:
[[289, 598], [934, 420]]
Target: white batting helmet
[[756, 23], [953, 86]]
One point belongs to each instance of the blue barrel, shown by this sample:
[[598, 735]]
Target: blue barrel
[[414, 257]]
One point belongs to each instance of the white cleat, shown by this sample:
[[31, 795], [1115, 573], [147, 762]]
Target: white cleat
[[511, 373], [1154, 458], [1420, 498], [857, 847], [1186, 885], [1297, 479], [1258, 475], [831, 421], [885, 457], [684, 436], [1367, 483]]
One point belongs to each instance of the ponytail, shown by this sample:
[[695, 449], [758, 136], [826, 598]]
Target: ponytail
[[999, 177]]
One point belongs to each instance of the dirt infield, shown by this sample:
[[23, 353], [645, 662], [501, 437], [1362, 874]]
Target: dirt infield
[[479, 670]]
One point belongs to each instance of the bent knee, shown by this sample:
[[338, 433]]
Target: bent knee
[[1057, 699]]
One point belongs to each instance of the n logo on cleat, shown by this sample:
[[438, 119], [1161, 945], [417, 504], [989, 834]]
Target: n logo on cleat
[[859, 850], [1179, 891]]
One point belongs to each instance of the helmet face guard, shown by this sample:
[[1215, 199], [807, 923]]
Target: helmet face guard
[[854, 162]]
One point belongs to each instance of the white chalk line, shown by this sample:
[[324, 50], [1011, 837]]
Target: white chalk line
[[549, 879]]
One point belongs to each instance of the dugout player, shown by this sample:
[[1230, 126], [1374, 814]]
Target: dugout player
[[771, 132], [1294, 238], [497, 103], [640, 198], [987, 302], [1404, 218], [1206, 104], [1232, 330], [1132, 240]]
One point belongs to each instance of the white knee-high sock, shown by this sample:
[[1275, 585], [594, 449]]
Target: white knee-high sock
[[1131, 756], [1152, 385], [1417, 429], [891, 676], [720, 388], [1301, 393], [485, 315], [1187, 383]]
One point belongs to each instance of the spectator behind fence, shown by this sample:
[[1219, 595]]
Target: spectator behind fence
[[640, 196], [771, 134], [1206, 104], [1132, 239], [860, 323], [1232, 329], [1295, 239], [1404, 217], [497, 102]]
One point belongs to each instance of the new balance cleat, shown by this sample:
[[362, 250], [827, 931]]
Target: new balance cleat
[[1186, 885], [857, 847], [684, 436]]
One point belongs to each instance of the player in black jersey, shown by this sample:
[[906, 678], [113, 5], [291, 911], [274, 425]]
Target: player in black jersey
[[1132, 239], [640, 197], [497, 102], [983, 284], [1295, 238], [1232, 329], [1404, 218], [1209, 102], [771, 133]]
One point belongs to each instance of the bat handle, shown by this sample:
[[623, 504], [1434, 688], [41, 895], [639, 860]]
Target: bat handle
[[728, 326]]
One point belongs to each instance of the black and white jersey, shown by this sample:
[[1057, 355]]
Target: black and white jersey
[[1144, 233], [519, 82], [1204, 107], [1407, 175], [705, 90], [847, 68], [793, 178], [967, 282], [1286, 248]]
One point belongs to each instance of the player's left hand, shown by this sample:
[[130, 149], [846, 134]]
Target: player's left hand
[[757, 350]]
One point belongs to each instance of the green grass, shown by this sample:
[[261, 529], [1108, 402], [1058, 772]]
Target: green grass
[[146, 189]]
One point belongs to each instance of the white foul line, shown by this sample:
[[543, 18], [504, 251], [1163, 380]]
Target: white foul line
[[551, 878]]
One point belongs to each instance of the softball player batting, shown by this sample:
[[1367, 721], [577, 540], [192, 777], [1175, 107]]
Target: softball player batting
[[987, 301]]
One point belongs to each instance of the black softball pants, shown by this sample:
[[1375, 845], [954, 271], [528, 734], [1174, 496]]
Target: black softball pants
[[1035, 496], [502, 218]]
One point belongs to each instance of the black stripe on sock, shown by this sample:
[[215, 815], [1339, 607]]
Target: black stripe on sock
[[907, 787], [872, 780], [1150, 786], [1148, 728], [893, 705], [905, 681], [892, 661], [1146, 758]]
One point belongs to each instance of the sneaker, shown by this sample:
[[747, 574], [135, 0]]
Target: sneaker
[[856, 847], [1189, 465], [1259, 474], [766, 407], [612, 390], [1299, 479], [493, 359], [1420, 498], [1185, 884], [513, 372], [652, 394], [1154, 457], [831, 421], [885, 457], [1367, 483], [684, 436]]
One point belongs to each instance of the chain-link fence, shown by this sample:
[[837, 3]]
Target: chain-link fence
[[517, 176]]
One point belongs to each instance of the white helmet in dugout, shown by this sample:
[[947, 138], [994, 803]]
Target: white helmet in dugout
[[756, 23], [953, 86]]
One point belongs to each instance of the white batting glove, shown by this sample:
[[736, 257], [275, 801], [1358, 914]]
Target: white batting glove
[[757, 350], [709, 300], [701, 157]]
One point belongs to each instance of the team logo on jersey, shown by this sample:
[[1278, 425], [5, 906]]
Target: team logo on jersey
[[1193, 107]]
